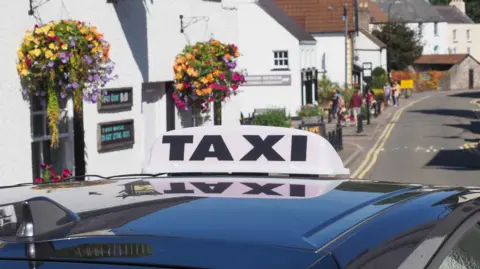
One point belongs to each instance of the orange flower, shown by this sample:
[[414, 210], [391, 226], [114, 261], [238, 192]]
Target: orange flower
[[179, 86], [228, 56], [210, 78], [199, 92], [189, 56]]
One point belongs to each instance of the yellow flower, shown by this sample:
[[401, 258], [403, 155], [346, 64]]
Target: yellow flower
[[64, 46], [29, 37], [51, 34], [179, 86], [20, 55], [37, 52], [208, 91], [95, 43], [178, 67], [49, 54], [83, 30], [237, 54], [197, 85], [210, 78], [69, 29], [178, 76], [199, 92], [51, 46], [24, 72], [19, 67], [189, 56], [90, 38], [204, 80], [38, 31], [46, 29]]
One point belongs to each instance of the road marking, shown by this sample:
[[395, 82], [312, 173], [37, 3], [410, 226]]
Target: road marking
[[372, 154]]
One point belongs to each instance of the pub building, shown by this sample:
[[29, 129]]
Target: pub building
[[115, 136]]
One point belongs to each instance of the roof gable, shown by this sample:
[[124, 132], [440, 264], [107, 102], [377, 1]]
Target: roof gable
[[373, 38], [452, 14], [289, 23], [411, 10], [447, 59], [319, 16]]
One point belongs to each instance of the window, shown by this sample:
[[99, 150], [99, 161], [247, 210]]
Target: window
[[468, 50], [280, 59], [60, 157], [435, 28], [420, 29], [465, 254], [454, 34], [454, 50], [468, 35]]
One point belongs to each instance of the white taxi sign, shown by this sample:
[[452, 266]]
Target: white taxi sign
[[243, 149]]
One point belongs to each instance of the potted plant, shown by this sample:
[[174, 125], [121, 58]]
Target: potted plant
[[311, 113], [273, 117], [205, 73], [64, 59]]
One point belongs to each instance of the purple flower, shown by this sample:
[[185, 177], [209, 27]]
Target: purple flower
[[105, 79], [225, 59], [89, 60], [63, 94], [75, 85], [90, 45], [94, 98], [63, 57], [50, 64], [96, 78], [60, 83], [66, 75], [35, 63], [68, 86], [90, 78], [25, 91], [232, 65], [72, 43]]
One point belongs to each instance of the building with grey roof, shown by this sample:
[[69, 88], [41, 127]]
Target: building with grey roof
[[410, 10], [452, 14]]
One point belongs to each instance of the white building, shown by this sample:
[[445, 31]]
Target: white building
[[370, 49], [463, 33], [421, 17], [145, 37]]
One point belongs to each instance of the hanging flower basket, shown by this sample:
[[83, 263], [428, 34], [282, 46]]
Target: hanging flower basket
[[205, 73], [64, 59]]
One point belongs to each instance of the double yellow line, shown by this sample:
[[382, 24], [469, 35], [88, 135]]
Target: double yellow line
[[372, 154]]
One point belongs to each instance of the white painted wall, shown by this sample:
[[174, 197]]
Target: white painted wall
[[331, 56], [428, 38], [368, 51], [257, 57], [460, 44], [141, 59]]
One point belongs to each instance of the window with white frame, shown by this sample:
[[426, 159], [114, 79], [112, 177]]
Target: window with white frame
[[468, 35], [280, 59], [420, 29], [454, 34], [435, 28], [60, 157]]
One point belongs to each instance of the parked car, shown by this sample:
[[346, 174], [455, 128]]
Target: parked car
[[239, 197]]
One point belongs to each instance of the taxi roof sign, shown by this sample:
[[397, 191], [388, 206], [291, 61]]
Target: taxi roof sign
[[243, 149]]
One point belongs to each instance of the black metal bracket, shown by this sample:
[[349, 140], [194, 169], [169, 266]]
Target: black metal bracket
[[191, 20], [32, 6]]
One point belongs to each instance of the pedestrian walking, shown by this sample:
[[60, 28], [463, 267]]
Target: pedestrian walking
[[387, 90], [398, 92], [334, 102], [394, 95], [356, 105]]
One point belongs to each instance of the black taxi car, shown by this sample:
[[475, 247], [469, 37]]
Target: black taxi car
[[247, 197]]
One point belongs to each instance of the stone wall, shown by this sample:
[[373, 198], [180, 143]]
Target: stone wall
[[459, 74]]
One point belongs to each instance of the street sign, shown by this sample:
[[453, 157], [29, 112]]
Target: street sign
[[268, 80], [367, 69], [406, 84]]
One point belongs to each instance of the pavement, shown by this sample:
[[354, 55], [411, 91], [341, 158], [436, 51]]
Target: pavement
[[432, 138]]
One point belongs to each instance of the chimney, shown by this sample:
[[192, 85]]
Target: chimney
[[458, 4], [363, 15]]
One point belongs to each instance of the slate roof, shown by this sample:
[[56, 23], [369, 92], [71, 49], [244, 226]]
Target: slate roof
[[289, 23], [447, 59], [453, 15], [411, 11], [319, 16], [374, 39]]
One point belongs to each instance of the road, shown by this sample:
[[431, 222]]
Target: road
[[424, 142]]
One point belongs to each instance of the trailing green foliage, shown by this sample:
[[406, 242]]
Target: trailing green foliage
[[310, 111]]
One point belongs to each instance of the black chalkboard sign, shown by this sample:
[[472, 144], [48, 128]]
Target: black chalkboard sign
[[117, 98], [115, 135]]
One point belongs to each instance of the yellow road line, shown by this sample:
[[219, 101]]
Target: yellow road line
[[372, 155]]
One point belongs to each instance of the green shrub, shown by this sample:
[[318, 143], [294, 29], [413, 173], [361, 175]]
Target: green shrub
[[310, 111], [272, 117]]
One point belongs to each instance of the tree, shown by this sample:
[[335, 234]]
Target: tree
[[403, 45], [472, 7]]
